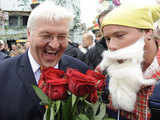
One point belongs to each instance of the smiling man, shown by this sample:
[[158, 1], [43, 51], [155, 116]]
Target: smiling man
[[47, 30], [130, 60]]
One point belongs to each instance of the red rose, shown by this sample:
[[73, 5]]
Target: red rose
[[93, 97], [51, 73], [79, 83], [101, 79], [101, 85], [53, 83], [96, 75]]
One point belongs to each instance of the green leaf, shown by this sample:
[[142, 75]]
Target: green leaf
[[52, 114], [67, 109], [101, 112], [57, 103], [44, 98], [94, 107], [73, 99], [82, 117], [47, 113], [109, 119]]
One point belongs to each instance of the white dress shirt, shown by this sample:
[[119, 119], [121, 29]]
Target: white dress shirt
[[153, 68], [35, 66]]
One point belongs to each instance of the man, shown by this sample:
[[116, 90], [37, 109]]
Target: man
[[14, 51], [94, 55], [87, 42], [3, 52], [73, 50], [47, 31], [3, 48], [130, 60]]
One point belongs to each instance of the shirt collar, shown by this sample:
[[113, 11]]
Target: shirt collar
[[153, 68], [35, 66]]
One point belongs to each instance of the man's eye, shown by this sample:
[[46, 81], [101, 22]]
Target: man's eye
[[120, 35], [61, 37], [45, 36]]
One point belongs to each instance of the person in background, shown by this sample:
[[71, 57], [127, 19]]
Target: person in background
[[94, 55], [3, 47], [14, 51], [20, 49], [73, 50], [27, 45], [130, 61], [3, 52], [47, 30], [98, 35], [87, 42]]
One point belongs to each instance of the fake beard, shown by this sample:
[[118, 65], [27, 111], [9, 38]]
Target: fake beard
[[126, 78]]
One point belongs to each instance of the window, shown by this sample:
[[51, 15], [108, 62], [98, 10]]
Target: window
[[25, 19], [13, 21]]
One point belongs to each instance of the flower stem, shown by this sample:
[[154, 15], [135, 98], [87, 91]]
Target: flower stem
[[75, 107]]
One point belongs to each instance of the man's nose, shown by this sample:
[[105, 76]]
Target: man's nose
[[54, 43], [112, 45]]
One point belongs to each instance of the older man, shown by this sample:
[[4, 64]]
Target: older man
[[130, 60], [47, 30]]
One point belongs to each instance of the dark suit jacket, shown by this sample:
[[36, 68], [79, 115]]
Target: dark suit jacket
[[18, 100], [3, 56]]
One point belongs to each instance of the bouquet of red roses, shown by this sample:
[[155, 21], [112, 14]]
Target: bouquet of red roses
[[71, 95]]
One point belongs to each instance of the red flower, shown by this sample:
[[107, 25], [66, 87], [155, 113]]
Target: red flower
[[53, 83], [93, 97], [101, 79], [79, 83], [96, 75], [51, 73]]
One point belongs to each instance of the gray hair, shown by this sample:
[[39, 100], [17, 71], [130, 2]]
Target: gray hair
[[1, 42], [50, 12]]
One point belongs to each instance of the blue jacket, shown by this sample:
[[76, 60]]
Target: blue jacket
[[2, 56], [18, 100]]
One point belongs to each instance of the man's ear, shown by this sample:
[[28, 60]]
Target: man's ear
[[28, 34]]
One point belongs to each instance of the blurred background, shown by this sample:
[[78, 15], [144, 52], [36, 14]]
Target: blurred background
[[14, 15]]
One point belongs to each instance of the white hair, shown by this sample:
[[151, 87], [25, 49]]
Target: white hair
[[50, 12]]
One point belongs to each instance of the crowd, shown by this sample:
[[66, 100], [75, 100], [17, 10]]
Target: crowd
[[125, 48], [16, 49]]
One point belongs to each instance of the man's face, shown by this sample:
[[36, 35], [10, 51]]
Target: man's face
[[1, 46], [120, 36], [98, 35], [123, 62], [48, 41], [14, 47], [86, 42]]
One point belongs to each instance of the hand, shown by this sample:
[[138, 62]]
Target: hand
[[97, 69]]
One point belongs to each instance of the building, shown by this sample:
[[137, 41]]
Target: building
[[13, 19], [14, 15]]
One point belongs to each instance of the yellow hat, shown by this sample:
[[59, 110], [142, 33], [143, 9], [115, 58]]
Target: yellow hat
[[158, 24], [133, 16]]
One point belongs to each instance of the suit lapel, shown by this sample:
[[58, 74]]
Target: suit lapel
[[26, 75], [63, 64]]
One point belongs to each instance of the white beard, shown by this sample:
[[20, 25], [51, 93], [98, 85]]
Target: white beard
[[126, 78]]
